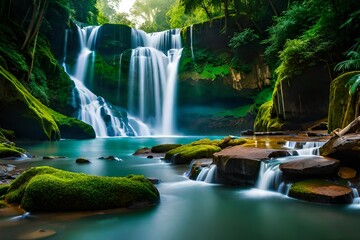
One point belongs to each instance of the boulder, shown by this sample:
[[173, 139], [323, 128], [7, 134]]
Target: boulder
[[347, 173], [186, 153], [310, 166], [240, 165], [82, 160], [321, 191], [46, 189], [163, 148], [142, 151], [345, 148]]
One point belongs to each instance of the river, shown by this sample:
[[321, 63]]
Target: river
[[188, 209]]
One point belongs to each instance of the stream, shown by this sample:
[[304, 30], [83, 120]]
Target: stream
[[188, 209]]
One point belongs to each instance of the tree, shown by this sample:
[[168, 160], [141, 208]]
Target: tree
[[151, 14]]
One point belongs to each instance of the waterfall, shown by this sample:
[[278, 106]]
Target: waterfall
[[207, 174], [152, 78], [356, 198], [270, 176], [107, 120], [191, 43]]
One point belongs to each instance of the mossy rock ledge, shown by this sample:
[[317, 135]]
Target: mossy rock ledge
[[321, 191], [186, 153], [46, 189]]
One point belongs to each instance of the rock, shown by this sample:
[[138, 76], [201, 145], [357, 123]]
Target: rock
[[52, 157], [111, 158], [346, 173], [279, 154], [346, 148], [196, 166], [141, 151], [186, 153], [150, 156], [163, 148], [321, 191], [154, 180], [39, 234], [310, 166], [240, 165], [82, 160]]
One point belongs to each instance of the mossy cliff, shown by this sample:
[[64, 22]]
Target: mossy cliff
[[8, 148], [44, 189], [29, 118], [342, 105], [22, 112], [297, 101]]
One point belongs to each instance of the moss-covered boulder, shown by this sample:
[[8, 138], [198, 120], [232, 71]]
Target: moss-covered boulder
[[163, 148], [72, 128], [321, 191], [42, 189], [3, 189], [22, 112], [342, 106], [186, 153]]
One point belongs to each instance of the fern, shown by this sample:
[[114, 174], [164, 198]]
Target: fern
[[353, 84]]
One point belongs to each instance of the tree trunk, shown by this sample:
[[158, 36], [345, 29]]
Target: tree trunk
[[226, 13], [273, 8], [353, 127], [207, 11]]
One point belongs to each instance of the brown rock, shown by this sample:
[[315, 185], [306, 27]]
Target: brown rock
[[82, 160], [310, 166], [240, 165], [346, 173], [321, 191]]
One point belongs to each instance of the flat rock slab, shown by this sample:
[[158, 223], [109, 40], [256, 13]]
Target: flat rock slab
[[240, 165], [345, 148], [311, 166], [321, 191]]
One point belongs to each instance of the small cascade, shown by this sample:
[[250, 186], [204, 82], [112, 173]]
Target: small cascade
[[207, 174], [305, 148], [270, 176], [356, 196], [106, 119], [152, 78]]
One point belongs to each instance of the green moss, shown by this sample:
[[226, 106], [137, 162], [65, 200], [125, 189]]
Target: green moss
[[9, 150], [72, 128], [263, 120], [341, 106], [186, 153], [4, 188], [319, 190], [2, 204], [22, 112], [49, 189], [163, 148]]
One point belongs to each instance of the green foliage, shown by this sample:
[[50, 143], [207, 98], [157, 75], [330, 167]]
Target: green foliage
[[237, 112], [48, 189], [264, 121], [353, 84], [246, 36], [263, 96], [212, 72]]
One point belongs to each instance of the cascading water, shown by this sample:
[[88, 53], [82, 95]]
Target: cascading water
[[152, 78], [106, 119]]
